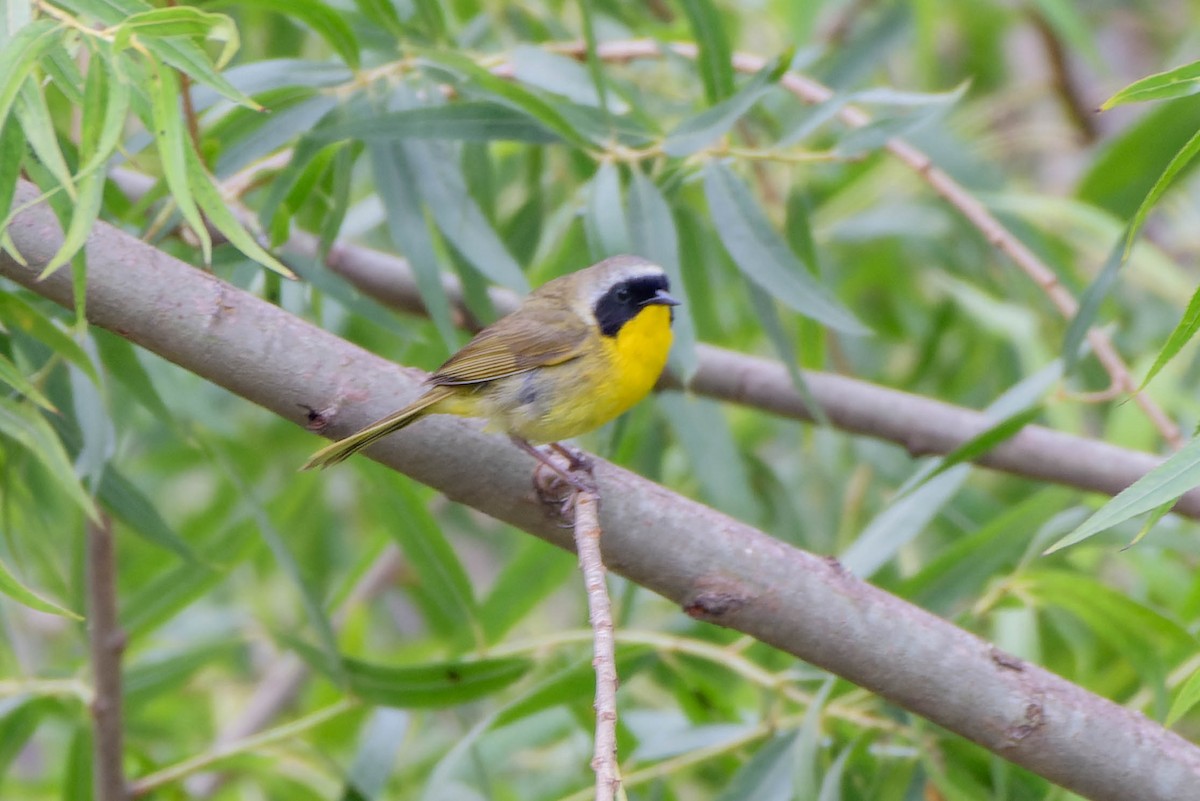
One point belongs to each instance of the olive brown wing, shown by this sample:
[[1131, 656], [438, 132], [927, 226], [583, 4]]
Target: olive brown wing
[[515, 344]]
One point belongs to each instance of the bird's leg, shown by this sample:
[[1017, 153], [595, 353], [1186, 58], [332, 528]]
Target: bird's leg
[[570, 478], [577, 460]]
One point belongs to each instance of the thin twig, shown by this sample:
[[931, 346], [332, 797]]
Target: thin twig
[[604, 658], [107, 643]]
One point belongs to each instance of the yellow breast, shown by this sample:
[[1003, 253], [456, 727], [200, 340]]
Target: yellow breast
[[582, 394], [637, 356]]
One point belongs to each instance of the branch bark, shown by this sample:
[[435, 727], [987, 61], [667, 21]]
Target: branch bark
[[716, 568], [107, 644]]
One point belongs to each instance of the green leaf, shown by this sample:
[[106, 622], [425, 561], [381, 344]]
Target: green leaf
[[16, 313], [1178, 162], [508, 93], [19, 56], [176, 22], [1168, 481], [218, 212], [978, 445], [121, 362], [1089, 305], [11, 586], [701, 428], [1187, 697], [10, 375], [324, 20], [770, 773], [1180, 336], [395, 182], [768, 317], [472, 121], [901, 522], [652, 227], [441, 588], [429, 685], [12, 154], [174, 149], [604, 219], [561, 75], [83, 216], [531, 575], [715, 60], [764, 257], [1177, 82], [375, 759], [24, 425], [440, 183], [34, 116], [700, 131], [131, 506]]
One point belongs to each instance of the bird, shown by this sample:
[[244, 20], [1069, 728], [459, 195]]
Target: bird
[[579, 351]]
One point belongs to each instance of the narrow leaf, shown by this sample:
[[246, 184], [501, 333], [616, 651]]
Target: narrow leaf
[[84, 214], [1178, 162], [12, 155], [604, 220], [510, 94], [698, 132], [764, 257], [10, 375], [440, 183], [1089, 305], [442, 587], [901, 522], [1177, 82], [768, 775], [1183, 333], [1187, 698], [24, 425], [324, 20], [19, 56], [652, 227], [533, 573], [474, 121], [1168, 481], [173, 148], [34, 115], [395, 181], [429, 685], [13, 588], [16, 313], [217, 210], [715, 60]]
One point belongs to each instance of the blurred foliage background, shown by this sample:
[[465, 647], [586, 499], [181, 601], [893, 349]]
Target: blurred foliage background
[[466, 136]]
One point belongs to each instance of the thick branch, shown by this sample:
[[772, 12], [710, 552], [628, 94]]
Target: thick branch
[[921, 425], [107, 643], [717, 568]]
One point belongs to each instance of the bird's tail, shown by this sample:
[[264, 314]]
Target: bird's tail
[[342, 449]]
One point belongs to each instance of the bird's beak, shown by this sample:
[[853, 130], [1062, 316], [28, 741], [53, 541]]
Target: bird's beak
[[661, 298]]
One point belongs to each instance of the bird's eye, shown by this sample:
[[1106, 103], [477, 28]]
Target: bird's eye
[[623, 295]]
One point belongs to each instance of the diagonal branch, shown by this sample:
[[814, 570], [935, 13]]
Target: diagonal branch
[[717, 568], [810, 91]]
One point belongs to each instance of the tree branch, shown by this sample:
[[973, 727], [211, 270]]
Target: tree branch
[[107, 643], [717, 568], [922, 426], [810, 91]]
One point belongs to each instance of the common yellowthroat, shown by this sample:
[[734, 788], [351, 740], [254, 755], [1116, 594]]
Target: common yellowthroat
[[578, 352]]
